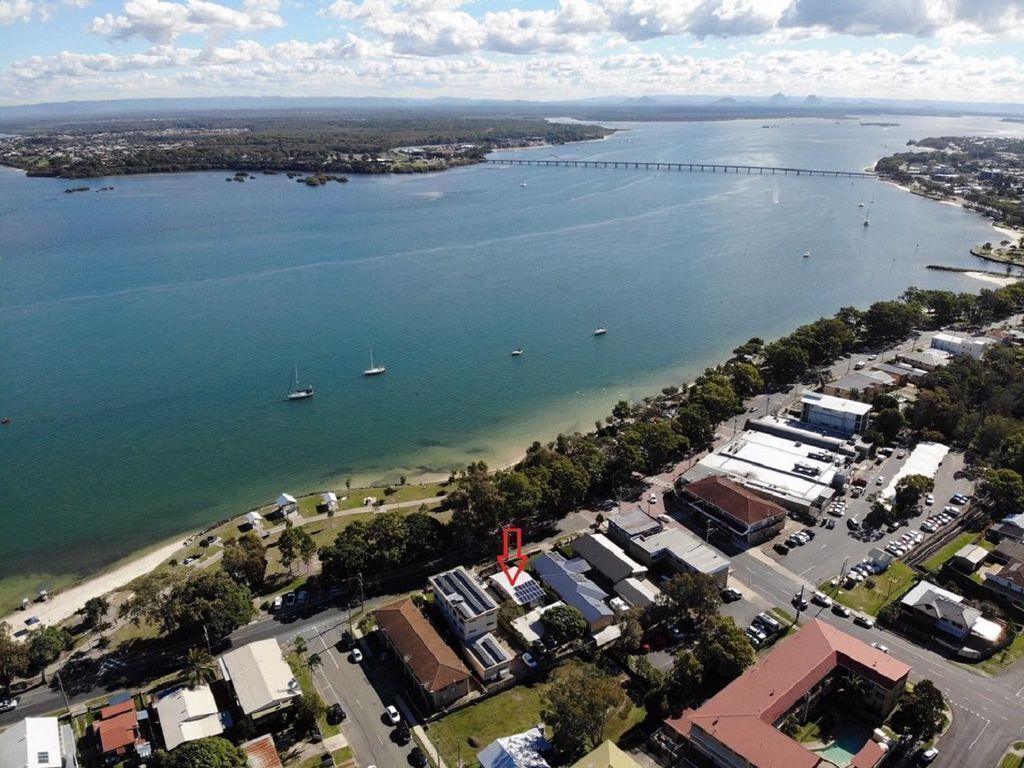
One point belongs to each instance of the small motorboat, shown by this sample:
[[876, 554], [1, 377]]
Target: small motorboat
[[600, 331], [807, 254], [517, 352]]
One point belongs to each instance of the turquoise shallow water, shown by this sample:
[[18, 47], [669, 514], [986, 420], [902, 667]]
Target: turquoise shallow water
[[148, 334]]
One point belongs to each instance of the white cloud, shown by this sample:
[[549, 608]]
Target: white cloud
[[160, 21], [15, 10]]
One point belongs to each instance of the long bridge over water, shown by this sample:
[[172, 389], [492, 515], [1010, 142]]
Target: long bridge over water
[[765, 170]]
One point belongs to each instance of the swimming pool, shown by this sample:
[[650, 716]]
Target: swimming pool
[[849, 739]]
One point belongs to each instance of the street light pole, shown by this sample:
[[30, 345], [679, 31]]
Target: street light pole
[[64, 693]]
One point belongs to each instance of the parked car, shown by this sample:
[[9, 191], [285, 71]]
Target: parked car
[[880, 647], [767, 624], [529, 661], [841, 610], [820, 598], [6, 705], [277, 604], [880, 480], [830, 524], [864, 621], [402, 734], [289, 599], [800, 601], [417, 759], [808, 532], [929, 755], [781, 547], [335, 714], [730, 595], [301, 597], [853, 524], [653, 498], [356, 655], [392, 714], [929, 499]]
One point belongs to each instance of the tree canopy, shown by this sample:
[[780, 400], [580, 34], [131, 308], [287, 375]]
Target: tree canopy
[[579, 703], [723, 649], [210, 752], [565, 623]]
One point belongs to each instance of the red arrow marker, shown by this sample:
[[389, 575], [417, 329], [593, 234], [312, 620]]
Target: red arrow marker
[[505, 557]]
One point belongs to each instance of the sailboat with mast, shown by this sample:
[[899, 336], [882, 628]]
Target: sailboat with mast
[[374, 370], [294, 391]]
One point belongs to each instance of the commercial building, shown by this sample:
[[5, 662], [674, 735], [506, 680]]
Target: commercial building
[[38, 742], [794, 474], [837, 414], [925, 460], [260, 677], [809, 435], [521, 750], [636, 522], [606, 755], [732, 509], [439, 676], [938, 614], [740, 727], [566, 578], [466, 606], [188, 714], [957, 345], [679, 551], [606, 558]]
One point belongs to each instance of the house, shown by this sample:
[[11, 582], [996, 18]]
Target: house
[[639, 594], [627, 525], [926, 360], [260, 677], [968, 558], [521, 750], [525, 592], [530, 627], [900, 373], [957, 345], [566, 578], [488, 657], [679, 551], [188, 714], [38, 742], [943, 616], [1011, 527], [117, 733], [606, 558], [606, 755], [468, 609], [261, 753], [1008, 550], [740, 726], [746, 517], [865, 384], [433, 667], [845, 417], [1008, 583]]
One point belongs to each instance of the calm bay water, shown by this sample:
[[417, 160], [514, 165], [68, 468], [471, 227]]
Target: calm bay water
[[148, 334]]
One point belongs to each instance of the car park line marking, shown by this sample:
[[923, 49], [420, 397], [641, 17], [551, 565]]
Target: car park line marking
[[986, 725], [327, 649], [1020, 693]]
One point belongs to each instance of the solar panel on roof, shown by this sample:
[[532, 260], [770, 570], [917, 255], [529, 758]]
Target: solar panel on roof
[[528, 591]]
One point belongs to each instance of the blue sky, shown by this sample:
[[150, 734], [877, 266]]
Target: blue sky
[[540, 49]]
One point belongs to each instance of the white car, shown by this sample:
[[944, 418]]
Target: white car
[[392, 714], [880, 480], [820, 598], [929, 755], [529, 661], [278, 604], [929, 499], [6, 705], [880, 647], [357, 655], [653, 499]]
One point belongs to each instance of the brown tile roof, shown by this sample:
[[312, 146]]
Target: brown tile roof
[[1013, 571], [117, 709], [117, 732], [262, 753], [868, 757], [732, 498], [741, 716], [428, 656]]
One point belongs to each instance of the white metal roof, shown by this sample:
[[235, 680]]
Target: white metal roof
[[923, 460], [26, 741], [260, 675], [838, 404], [186, 715]]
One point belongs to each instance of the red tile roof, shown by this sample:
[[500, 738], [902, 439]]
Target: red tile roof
[[117, 732], [741, 716], [868, 756], [732, 498], [429, 657], [117, 709]]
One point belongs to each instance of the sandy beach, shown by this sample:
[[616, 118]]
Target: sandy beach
[[994, 279]]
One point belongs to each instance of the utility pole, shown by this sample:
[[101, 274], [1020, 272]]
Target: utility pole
[[206, 634], [361, 589], [64, 693]]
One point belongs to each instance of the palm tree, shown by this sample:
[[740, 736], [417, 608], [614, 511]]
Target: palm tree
[[314, 662], [200, 668], [300, 646]]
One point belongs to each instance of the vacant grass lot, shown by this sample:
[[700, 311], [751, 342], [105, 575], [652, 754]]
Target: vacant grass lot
[[887, 586]]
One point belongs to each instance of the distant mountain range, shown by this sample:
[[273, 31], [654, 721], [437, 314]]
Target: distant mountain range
[[597, 108]]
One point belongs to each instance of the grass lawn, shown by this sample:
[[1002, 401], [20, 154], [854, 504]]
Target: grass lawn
[[306, 683], [513, 711], [1004, 658], [342, 755], [934, 563], [889, 585], [807, 733]]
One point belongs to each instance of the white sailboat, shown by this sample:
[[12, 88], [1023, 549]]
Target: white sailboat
[[374, 370], [294, 391]]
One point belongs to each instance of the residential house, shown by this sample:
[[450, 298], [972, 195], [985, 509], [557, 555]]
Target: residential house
[[117, 733], [943, 616], [566, 578], [926, 360], [958, 345], [968, 558], [188, 714], [261, 753], [864, 384], [468, 609], [487, 656], [732, 509], [261, 679], [606, 755], [38, 742], [606, 558], [521, 750], [639, 594], [439, 676], [1008, 583], [525, 592], [1011, 527], [626, 525], [740, 727]]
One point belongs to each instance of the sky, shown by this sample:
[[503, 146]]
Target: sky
[[56, 50]]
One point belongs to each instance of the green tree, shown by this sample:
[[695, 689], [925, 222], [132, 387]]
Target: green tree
[[294, 544], [245, 560], [921, 711], [210, 752], [695, 424], [45, 646], [13, 657], [309, 708], [686, 677], [578, 704], [786, 361], [890, 320], [690, 597], [94, 612], [723, 649], [909, 490], [889, 422], [210, 601], [631, 636], [313, 662], [299, 646], [746, 379], [718, 397], [565, 623], [1002, 493], [622, 410], [200, 668]]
